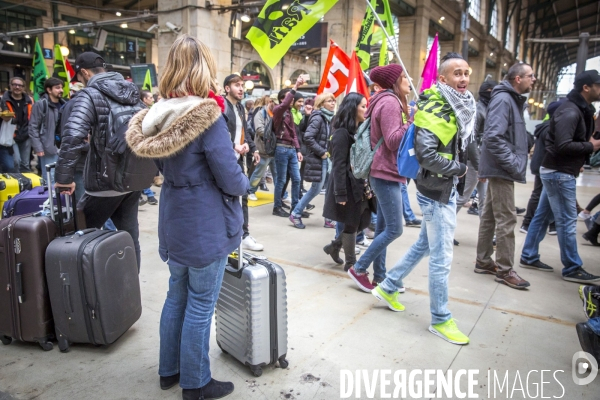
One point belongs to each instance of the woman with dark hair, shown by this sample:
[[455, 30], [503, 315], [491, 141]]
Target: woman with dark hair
[[347, 198]]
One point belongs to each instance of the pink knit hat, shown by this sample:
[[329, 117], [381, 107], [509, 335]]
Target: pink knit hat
[[386, 76]]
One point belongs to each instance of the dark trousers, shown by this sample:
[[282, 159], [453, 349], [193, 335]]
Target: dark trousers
[[250, 164], [595, 201], [122, 210], [534, 200], [7, 163]]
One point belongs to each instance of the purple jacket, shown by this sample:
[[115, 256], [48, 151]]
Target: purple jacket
[[385, 111]]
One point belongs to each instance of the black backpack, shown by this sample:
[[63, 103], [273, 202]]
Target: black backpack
[[269, 136], [122, 170]]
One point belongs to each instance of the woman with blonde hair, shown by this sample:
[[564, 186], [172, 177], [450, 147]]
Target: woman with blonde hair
[[263, 112], [200, 217], [316, 139]]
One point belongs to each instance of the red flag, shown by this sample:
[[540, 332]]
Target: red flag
[[335, 73], [356, 80], [70, 69]]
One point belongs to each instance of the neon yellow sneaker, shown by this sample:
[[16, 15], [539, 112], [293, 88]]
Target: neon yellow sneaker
[[391, 299], [449, 332]]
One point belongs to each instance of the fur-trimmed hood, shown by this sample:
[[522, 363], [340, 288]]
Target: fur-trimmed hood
[[170, 125]]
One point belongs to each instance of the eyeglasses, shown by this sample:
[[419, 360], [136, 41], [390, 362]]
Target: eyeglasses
[[16, 85], [532, 76]]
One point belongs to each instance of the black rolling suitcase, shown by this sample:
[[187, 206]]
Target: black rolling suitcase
[[94, 286]]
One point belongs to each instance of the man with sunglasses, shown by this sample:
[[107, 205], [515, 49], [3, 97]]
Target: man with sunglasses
[[18, 102]]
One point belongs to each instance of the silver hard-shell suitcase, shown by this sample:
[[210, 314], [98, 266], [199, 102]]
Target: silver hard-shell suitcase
[[251, 312]]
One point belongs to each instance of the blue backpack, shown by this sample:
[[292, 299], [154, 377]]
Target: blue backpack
[[408, 166]]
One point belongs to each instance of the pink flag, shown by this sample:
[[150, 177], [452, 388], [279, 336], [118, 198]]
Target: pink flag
[[429, 74]]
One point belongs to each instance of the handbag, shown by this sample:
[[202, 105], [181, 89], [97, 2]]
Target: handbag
[[7, 132], [408, 166]]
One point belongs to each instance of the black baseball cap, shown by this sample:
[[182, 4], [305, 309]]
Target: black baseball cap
[[88, 60], [588, 77]]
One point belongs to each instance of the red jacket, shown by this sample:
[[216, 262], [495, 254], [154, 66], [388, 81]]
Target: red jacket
[[284, 123]]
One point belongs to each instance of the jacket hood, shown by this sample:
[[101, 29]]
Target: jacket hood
[[170, 125], [377, 98], [115, 87], [506, 87]]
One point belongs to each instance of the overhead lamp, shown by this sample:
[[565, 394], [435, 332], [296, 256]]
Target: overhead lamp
[[288, 82], [248, 85], [470, 40], [122, 56], [492, 54], [245, 17], [124, 25], [505, 64], [541, 105], [307, 57], [72, 31], [27, 36], [64, 50], [530, 101], [536, 104], [118, 13], [442, 18], [10, 43]]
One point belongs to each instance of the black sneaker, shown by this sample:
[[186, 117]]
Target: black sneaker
[[280, 212], [591, 239], [263, 187], [167, 382], [589, 341], [310, 207], [212, 390], [473, 210], [456, 242], [141, 201], [414, 223], [152, 200], [552, 229], [285, 205], [524, 228], [520, 211], [305, 214], [536, 265], [580, 275], [590, 296]]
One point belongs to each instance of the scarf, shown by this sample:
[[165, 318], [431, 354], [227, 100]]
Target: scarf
[[327, 114], [464, 107], [297, 116]]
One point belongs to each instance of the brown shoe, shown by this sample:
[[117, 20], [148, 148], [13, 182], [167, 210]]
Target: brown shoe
[[269, 180], [480, 269], [512, 279], [158, 181]]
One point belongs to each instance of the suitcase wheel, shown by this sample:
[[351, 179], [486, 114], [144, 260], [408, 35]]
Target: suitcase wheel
[[256, 371], [47, 346], [63, 345], [6, 340], [283, 363]]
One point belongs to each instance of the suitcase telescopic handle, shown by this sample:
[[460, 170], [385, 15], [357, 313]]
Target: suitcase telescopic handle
[[71, 214], [19, 282]]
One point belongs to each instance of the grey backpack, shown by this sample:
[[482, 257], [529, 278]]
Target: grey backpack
[[361, 154]]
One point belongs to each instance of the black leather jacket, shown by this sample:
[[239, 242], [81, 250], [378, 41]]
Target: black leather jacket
[[89, 116]]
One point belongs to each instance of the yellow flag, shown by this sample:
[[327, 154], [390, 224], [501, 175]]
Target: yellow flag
[[147, 81], [60, 70]]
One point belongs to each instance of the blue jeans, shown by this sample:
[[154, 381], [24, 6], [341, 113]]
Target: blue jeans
[[435, 241], [43, 161], [388, 228], [408, 213], [259, 172], [185, 323], [558, 199], [286, 160], [7, 162], [148, 192], [313, 192]]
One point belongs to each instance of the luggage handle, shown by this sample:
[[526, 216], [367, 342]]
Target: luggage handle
[[51, 198], [66, 292], [69, 201], [19, 282]]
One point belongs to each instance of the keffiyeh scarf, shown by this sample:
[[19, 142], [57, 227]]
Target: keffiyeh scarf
[[464, 107]]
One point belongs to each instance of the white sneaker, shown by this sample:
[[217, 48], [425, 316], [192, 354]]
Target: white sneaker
[[250, 244], [583, 215], [252, 197], [365, 243]]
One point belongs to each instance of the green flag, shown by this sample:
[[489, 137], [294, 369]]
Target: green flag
[[39, 73], [277, 28], [372, 34], [60, 71], [147, 81]]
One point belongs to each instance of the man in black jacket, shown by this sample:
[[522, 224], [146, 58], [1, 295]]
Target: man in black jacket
[[19, 103], [503, 162], [90, 119], [568, 145], [242, 142]]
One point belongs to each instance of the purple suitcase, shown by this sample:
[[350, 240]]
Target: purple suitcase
[[26, 202]]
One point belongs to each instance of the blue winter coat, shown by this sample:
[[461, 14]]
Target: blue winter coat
[[200, 216]]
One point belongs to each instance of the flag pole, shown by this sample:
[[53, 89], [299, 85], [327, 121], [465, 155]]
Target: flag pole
[[394, 48]]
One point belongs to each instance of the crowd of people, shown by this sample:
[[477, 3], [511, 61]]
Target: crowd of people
[[461, 145]]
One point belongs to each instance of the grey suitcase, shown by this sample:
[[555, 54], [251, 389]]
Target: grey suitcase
[[251, 313]]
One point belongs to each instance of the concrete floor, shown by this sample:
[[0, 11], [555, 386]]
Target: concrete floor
[[334, 327]]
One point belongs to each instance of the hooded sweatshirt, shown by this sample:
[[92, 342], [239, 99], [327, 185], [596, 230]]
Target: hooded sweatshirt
[[385, 111]]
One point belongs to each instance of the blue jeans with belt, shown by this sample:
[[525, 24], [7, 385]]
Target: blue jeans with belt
[[185, 323], [388, 228]]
